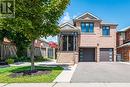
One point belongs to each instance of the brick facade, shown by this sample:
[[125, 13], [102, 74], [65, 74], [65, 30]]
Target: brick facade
[[90, 40], [127, 35], [123, 46]]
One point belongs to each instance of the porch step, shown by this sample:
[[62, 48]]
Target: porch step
[[66, 57]]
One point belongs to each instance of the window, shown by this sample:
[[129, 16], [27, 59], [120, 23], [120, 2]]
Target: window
[[87, 27], [105, 30], [83, 27], [122, 35], [69, 43], [64, 43]]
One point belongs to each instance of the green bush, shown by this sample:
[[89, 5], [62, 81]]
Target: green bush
[[10, 61], [20, 59], [41, 59], [23, 59], [28, 59]]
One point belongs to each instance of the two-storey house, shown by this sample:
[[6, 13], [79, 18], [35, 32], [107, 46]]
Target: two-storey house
[[87, 39], [123, 43]]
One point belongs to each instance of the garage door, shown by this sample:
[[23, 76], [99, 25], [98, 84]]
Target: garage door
[[106, 54], [87, 55]]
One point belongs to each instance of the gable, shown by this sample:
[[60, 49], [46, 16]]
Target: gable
[[67, 26], [87, 16]]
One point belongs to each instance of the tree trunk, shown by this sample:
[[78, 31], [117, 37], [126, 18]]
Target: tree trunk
[[32, 56]]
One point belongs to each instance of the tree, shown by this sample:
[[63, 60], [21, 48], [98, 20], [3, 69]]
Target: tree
[[35, 19]]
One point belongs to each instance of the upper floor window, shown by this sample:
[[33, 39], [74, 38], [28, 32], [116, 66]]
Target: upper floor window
[[87, 27], [122, 35], [105, 30]]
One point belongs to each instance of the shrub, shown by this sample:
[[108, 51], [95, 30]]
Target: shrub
[[10, 61], [23, 59], [41, 59], [20, 59]]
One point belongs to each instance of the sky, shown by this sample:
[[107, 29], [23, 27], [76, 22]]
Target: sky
[[111, 11]]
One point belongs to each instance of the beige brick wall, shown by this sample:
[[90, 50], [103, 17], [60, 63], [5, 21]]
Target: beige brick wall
[[67, 57], [97, 40]]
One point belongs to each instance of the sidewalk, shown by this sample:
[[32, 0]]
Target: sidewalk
[[66, 74], [45, 63], [66, 85]]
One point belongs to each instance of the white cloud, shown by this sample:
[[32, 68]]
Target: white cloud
[[50, 38], [74, 16], [65, 18]]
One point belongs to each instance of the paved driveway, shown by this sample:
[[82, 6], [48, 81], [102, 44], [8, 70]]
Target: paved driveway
[[102, 72]]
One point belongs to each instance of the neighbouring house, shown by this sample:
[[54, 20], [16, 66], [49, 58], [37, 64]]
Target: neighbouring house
[[6, 49], [123, 44], [87, 39], [42, 48]]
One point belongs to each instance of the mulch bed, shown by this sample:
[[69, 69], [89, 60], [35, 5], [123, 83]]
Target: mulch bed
[[30, 72]]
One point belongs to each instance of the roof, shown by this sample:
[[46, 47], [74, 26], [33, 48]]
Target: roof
[[43, 41], [106, 23], [87, 13], [68, 27], [127, 44], [124, 29]]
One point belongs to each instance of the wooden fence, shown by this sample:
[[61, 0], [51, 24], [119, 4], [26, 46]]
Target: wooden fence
[[45, 52], [7, 50]]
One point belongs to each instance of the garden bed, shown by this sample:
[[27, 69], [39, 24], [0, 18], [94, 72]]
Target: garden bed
[[25, 75], [30, 72]]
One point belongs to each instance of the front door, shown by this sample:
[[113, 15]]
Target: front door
[[87, 55]]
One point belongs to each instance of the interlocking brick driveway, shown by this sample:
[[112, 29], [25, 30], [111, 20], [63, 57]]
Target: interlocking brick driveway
[[102, 72]]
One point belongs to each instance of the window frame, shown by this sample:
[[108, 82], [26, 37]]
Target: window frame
[[105, 28], [87, 30]]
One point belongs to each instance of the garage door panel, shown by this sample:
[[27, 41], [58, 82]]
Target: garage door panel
[[106, 54], [87, 55]]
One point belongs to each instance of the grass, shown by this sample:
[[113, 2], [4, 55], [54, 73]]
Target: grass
[[5, 72]]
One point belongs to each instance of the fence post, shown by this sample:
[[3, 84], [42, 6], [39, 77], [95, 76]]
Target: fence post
[[54, 53], [46, 52]]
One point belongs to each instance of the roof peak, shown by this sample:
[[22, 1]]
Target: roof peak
[[89, 13]]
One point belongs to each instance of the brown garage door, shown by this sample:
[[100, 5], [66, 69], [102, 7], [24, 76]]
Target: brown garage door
[[106, 54], [87, 55]]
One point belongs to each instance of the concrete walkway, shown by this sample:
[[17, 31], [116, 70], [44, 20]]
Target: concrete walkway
[[66, 74], [46, 63], [66, 85]]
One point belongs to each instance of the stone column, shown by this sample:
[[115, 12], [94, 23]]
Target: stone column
[[98, 54], [114, 50]]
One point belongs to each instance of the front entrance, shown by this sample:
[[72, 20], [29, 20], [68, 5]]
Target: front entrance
[[87, 55]]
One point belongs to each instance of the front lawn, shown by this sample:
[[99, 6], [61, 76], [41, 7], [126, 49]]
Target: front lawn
[[6, 72]]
